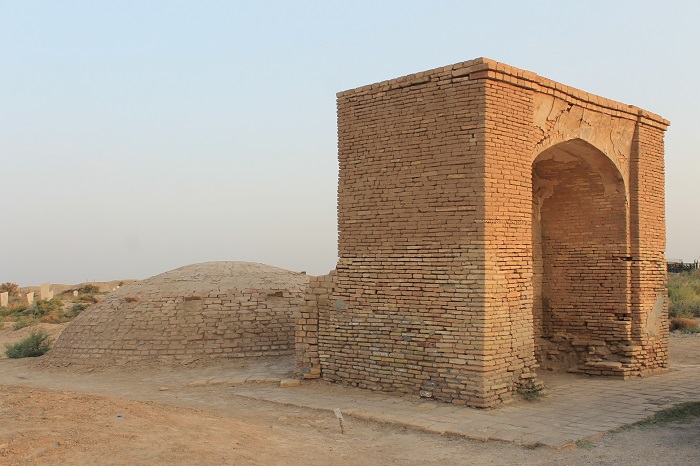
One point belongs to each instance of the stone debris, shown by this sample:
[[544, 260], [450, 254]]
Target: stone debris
[[288, 383]]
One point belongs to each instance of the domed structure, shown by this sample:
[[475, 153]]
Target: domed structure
[[209, 310]]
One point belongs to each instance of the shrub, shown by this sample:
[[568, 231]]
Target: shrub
[[533, 391], [87, 298], [17, 307], [45, 307], [14, 310], [89, 289], [49, 311], [53, 318], [24, 322], [37, 343], [11, 288], [680, 323], [77, 309]]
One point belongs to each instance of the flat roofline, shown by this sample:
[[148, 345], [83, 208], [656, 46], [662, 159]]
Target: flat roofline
[[486, 68]]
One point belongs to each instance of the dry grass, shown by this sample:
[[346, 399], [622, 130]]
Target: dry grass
[[681, 323], [684, 291]]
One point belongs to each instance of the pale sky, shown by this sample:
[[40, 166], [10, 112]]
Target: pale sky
[[140, 136]]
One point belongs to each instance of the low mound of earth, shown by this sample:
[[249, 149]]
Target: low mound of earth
[[196, 312], [58, 288]]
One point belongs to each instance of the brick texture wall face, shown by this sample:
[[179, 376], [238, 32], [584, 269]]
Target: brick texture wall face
[[649, 300], [461, 268], [219, 324], [509, 359], [411, 244]]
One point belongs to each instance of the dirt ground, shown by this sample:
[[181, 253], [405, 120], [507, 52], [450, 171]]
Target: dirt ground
[[151, 416]]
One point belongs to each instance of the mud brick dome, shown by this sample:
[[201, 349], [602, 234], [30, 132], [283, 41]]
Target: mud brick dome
[[209, 310], [492, 224]]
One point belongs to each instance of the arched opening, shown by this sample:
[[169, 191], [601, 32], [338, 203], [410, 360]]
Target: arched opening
[[582, 321]]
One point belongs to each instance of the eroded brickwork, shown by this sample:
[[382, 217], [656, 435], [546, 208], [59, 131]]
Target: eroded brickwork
[[317, 299], [241, 323], [491, 221], [195, 312]]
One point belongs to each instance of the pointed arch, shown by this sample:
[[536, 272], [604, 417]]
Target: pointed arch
[[580, 249]]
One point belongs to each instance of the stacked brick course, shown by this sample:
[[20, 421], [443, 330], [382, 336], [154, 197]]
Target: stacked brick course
[[490, 220], [195, 312]]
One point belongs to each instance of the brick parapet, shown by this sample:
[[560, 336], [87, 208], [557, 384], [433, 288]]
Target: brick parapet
[[485, 68]]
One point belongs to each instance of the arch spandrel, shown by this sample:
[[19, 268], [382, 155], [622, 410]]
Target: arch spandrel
[[557, 120]]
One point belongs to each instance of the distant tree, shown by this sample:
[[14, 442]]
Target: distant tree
[[89, 289], [11, 288]]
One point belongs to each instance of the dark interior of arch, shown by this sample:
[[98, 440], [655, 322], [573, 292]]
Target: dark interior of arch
[[580, 249]]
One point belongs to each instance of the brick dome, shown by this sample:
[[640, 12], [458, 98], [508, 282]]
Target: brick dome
[[200, 311]]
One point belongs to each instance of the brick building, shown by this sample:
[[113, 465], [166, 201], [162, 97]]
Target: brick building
[[492, 224]]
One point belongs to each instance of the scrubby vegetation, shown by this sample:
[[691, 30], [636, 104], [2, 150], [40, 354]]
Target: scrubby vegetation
[[86, 298], [684, 325], [49, 311], [36, 344], [11, 288], [680, 413], [89, 289], [11, 309], [22, 322], [77, 309], [684, 293], [533, 391]]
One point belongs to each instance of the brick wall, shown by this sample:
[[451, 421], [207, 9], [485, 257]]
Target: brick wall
[[407, 312], [509, 360], [649, 298]]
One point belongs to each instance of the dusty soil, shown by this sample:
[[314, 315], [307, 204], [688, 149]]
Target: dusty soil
[[685, 348], [121, 416]]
